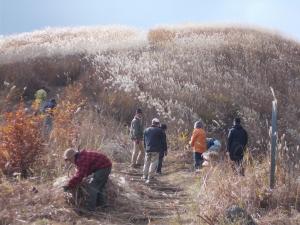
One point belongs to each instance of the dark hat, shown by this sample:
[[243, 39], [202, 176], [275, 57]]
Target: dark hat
[[237, 120], [198, 124], [163, 126], [138, 110]]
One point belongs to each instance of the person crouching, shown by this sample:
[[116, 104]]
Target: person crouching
[[212, 154], [89, 163]]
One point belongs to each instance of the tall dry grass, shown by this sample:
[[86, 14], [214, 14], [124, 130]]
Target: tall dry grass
[[220, 189], [179, 74], [213, 74]]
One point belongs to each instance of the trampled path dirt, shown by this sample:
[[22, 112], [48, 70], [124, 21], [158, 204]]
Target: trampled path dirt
[[167, 200], [159, 202]]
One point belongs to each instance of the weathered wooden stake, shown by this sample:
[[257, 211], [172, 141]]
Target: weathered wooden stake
[[273, 141]]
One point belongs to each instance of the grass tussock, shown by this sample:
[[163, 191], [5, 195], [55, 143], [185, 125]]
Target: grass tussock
[[221, 188]]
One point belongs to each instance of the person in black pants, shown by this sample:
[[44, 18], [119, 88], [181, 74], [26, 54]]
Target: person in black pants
[[236, 145], [163, 151]]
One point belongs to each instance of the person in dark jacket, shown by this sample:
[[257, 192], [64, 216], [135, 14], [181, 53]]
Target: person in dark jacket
[[236, 144], [49, 105], [136, 134], [154, 142], [89, 163], [47, 109], [163, 151]]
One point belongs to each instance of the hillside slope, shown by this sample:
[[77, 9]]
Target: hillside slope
[[178, 74], [227, 70]]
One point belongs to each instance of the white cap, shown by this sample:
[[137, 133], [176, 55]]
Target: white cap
[[155, 121]]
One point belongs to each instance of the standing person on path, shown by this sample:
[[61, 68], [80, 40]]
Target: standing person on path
[[198, 143], [136, 134], [48, 109], [154, 142], [40, 98], [87, 163], [163, 151], [236, 145]]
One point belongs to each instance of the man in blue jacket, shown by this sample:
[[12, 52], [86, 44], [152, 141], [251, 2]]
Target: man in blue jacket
[[154, 143]]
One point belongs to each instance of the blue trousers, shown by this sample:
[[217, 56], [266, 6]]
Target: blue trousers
[[198, 160]]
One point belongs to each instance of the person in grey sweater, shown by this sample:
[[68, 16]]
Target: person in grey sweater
[[136, 134]]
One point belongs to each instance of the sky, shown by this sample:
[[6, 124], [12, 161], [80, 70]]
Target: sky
[[17, 16]]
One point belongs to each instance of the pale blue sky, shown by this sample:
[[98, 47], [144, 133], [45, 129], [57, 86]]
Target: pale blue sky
[[27, 15]]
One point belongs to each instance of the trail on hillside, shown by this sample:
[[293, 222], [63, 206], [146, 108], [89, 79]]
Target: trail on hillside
[[159, 202]]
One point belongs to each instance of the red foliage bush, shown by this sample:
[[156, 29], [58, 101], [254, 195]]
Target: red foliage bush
[[21, 142]]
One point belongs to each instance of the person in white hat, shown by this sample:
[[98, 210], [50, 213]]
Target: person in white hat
[[154, 142]]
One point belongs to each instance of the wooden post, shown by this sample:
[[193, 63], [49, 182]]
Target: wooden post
[[273, 141]]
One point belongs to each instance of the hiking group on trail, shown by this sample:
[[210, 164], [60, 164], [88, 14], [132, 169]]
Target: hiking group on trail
[[151, 144], [150, 147]]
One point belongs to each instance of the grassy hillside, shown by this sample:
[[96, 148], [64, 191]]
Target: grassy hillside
[[179, 74]]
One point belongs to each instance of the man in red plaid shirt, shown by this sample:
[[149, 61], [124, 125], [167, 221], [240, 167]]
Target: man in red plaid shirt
[[87, 163]]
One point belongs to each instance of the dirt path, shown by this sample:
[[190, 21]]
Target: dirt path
[[165, 201], [160, 201]]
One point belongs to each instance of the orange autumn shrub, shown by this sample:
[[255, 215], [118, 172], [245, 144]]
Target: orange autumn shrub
[[21, 142], [65, 130]]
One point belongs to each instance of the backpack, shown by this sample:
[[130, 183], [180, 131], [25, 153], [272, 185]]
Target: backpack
[[210, 142]]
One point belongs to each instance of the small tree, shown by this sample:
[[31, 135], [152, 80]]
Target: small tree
[[20, 141], [65, 130]]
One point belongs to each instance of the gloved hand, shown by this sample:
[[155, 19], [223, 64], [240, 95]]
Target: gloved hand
[[166, 153], [66, 188]]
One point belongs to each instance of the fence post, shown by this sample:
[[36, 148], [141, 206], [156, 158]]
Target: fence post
[[273, 141]]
